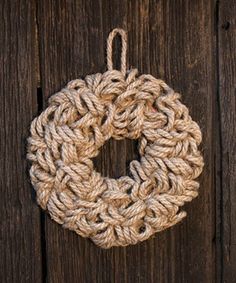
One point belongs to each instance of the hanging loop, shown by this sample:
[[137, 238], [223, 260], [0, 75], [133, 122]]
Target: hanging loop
[[110, 39]]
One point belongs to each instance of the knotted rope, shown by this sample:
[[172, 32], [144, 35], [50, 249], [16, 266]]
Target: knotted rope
[[79, 120]]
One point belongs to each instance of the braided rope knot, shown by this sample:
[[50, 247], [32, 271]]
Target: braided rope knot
[[79, 120]]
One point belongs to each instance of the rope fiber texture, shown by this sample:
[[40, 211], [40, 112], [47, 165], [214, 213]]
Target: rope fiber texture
[[79, 120]]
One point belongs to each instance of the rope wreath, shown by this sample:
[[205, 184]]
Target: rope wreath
[[79, 120]]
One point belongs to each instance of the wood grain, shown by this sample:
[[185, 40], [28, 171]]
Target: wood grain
[[227, 115], [191, 45], [20, 244], [172, 40]]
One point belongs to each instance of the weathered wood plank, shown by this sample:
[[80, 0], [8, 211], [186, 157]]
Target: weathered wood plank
[[172, 40], [227, 92], [184, 253], [20, 217]]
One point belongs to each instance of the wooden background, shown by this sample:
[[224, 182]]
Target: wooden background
[[192, 45]]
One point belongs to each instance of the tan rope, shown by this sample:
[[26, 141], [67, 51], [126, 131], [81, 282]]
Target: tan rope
[[79, 119], [110, 39]]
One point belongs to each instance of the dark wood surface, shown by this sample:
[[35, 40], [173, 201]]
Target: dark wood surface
[[192, 46], [227, 117], [20, 240]]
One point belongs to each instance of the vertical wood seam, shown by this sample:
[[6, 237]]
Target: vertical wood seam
[[40, 104], [218, 156]]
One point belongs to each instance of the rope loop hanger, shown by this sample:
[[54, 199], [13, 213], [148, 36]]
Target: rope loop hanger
[[80, 119], [110, 39]]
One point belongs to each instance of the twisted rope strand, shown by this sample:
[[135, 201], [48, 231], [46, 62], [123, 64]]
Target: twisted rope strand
[[110, 39]]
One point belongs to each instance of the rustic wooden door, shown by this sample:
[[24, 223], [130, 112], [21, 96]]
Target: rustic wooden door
[[191, 45]]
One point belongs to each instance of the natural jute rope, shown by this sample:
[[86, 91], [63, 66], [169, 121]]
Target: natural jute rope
[[80, 119]]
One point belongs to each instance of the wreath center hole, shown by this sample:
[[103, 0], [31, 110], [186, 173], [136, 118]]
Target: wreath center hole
[[115, 156]]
